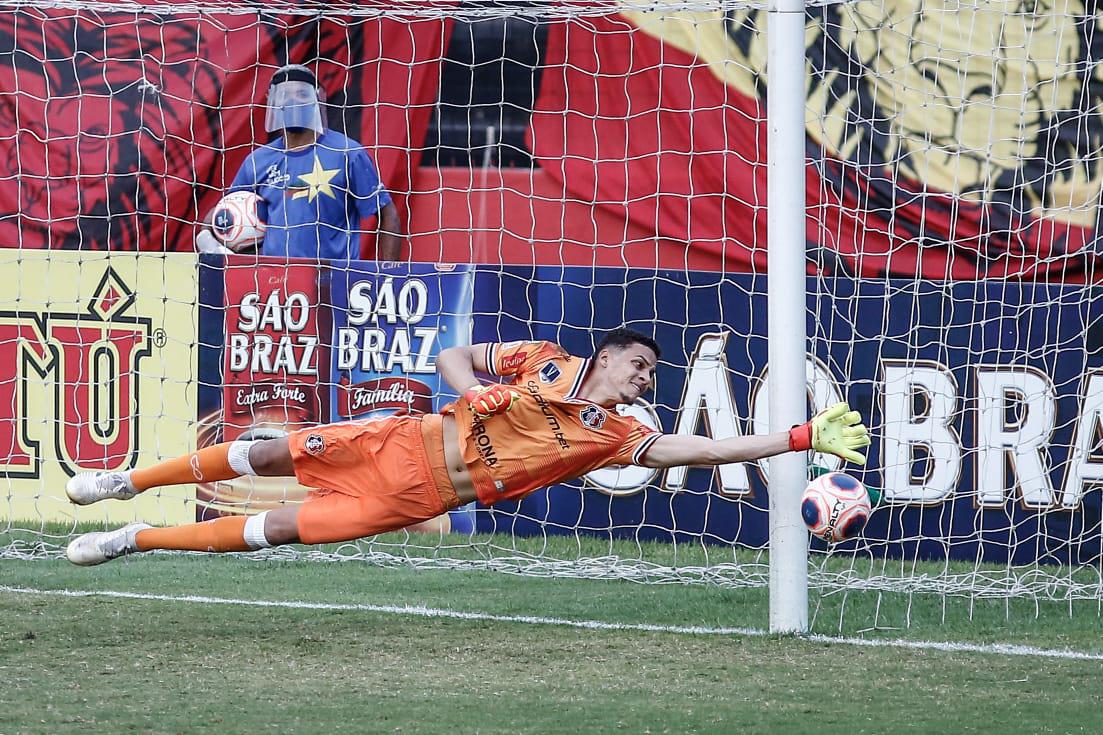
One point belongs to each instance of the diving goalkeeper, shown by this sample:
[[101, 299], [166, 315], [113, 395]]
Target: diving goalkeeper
[[554, 420]]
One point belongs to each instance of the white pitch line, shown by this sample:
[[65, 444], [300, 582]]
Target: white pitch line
[[1003, 649]]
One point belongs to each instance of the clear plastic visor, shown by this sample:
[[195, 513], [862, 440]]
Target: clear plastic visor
[[293, 105]]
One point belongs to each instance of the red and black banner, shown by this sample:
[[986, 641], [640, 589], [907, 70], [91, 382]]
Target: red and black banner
[[949, 150], [120, 130]]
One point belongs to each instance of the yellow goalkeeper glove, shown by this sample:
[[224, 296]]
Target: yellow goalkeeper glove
[[837, 430]]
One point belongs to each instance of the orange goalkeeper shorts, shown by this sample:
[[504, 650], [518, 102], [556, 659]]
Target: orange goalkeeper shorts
[[370, 477]]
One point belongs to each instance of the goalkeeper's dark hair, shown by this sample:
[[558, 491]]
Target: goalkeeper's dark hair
[[623, 337]]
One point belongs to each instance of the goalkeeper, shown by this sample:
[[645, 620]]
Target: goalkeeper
[[554, 420]]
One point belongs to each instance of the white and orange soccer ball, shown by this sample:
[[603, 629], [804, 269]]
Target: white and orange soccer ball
[[835, 507], [236, 220]]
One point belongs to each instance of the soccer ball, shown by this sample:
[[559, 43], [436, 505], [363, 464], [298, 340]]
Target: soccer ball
[[236, 220], [835, 507]]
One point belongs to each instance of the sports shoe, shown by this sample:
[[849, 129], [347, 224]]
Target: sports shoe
[[92, 487], [90, 549]]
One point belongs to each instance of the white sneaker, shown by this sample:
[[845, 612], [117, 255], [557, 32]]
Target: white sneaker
[[92, 487], [90, 549]]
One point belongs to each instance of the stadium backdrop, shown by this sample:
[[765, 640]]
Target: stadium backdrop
[[272, 346], [648, 135], [169, 117]]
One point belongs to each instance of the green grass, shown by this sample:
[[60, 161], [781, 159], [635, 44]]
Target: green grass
[[131, 665]]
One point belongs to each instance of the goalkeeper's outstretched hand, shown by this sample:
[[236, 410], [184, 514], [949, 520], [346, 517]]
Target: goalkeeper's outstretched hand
[[837, 430], [488, 400]]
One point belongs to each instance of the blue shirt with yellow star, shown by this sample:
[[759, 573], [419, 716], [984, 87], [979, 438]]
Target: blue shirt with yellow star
[[315, 196]]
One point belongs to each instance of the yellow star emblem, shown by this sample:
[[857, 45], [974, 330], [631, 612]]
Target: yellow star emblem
[[317, 182]]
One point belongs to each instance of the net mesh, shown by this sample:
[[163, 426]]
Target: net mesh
[[601, 168]]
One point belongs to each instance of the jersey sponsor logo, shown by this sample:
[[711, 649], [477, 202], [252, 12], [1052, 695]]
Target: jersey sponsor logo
[[315, 444], [592, 417], [550, 373], [514, 361], [483, 443], [549, 415]]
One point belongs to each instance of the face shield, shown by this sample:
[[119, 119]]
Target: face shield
[[294, 104]]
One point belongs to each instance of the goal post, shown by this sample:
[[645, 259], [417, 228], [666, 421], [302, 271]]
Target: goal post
[[788, 333]]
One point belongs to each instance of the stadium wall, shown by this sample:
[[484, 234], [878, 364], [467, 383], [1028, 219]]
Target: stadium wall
[[97, 358], [525, 217], [987, 424]]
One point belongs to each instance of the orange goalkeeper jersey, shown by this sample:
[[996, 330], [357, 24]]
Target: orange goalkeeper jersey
[[549, 435]]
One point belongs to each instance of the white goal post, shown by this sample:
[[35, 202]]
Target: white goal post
[[787, 332]]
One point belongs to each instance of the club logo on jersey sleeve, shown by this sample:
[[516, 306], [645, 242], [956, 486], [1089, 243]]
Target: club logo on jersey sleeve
[[315, 444], [592, 417], [550, 373]]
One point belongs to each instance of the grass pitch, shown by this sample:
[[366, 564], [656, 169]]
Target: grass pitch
[[99, 664]]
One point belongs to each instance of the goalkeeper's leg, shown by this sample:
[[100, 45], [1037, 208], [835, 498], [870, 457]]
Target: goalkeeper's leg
[[270, 458], [219, 462], [233, 533], [368, 478], [326, 517]]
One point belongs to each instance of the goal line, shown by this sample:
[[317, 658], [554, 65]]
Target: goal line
[[422, 611]]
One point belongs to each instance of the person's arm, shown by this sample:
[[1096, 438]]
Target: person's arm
[[389, 244], [674, 450], [205, 241], [838, 431], [373, 200], [457, 365]]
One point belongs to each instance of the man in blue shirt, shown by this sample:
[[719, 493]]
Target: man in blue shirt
[[316, 184]]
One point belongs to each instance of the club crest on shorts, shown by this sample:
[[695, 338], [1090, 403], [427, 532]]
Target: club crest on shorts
[[314, 444], [550, 373], [592, 417]]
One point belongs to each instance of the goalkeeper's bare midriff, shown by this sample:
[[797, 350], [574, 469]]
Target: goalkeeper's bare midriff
[[457, 471]]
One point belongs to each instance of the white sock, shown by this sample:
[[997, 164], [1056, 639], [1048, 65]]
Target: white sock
[[238, 457], [254, 532]]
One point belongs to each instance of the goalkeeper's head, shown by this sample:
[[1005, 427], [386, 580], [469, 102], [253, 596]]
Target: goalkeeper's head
[[624, 362], [623, 337], [295, 101]]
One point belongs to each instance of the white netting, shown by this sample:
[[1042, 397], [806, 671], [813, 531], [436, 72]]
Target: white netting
[[600, 169], [470, 10]]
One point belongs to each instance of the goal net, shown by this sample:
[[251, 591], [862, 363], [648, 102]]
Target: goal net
[[560, 170]]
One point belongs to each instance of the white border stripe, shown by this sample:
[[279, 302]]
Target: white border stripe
[[643, 446], [1002, 649], [491, 348], [579, 379]]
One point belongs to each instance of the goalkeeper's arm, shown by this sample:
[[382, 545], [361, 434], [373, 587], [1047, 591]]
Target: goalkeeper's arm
[[457, 365], [838, 431]]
